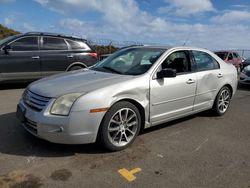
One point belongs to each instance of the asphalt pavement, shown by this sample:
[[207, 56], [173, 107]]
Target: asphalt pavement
[[196, 151]]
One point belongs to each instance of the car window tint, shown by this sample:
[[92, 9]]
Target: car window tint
[[230, 56], [204, 61], [178, 61], [235, 55], [50, 43], [75, 45], [222, 55], [25, 44]]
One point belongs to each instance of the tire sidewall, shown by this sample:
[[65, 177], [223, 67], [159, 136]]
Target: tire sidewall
[[103, 131]]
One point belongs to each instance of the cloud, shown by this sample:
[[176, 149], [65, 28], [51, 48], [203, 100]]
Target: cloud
[[186, 8], [124, 20], [231, 17]]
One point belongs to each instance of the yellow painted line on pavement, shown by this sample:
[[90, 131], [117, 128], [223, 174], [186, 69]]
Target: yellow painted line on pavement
[[129, 175]]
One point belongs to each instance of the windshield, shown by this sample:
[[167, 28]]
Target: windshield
[[222, 55], [131, 61], [6, 39]]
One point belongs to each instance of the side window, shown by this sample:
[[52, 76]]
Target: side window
[[76, 45], [51, 43], [235, 55], [204, 61], [230, 56], [178, 61], [25, 44]]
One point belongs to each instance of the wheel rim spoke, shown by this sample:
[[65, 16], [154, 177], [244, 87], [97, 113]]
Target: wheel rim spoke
[[131, 117], [115, 135], [112, 129]]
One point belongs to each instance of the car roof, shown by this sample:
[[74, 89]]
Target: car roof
[[170, 47], [54, 35]]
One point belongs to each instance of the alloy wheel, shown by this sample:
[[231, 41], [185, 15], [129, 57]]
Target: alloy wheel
[[122, 127]]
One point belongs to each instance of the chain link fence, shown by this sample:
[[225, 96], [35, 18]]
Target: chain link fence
[[244, 53]]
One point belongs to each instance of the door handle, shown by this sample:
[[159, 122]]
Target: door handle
[[219, 75], [190, 81], [70, 56], [35, 57]]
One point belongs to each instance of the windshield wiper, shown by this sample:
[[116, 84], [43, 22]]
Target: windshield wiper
[[112, 70]]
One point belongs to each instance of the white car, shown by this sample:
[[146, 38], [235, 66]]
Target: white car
[[133, 89]]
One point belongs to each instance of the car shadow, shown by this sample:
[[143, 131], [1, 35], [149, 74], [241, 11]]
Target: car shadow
[[14, 140], [243, 87]]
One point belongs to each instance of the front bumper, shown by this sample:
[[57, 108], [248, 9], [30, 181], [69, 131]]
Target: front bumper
[[79, 127]]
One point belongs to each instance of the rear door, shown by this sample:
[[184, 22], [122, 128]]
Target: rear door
[[208, 76], [81, 53], [54, 55], [22, 60]]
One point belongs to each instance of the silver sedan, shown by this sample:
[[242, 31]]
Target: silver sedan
[[133, 89]]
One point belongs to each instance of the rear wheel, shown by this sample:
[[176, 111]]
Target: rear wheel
[[222, 101], [120, 126]]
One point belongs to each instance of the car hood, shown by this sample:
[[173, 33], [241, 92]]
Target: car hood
[[81, 81]]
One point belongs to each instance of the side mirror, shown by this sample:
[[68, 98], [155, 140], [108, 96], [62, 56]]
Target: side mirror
[[6, 49], [166, 73]]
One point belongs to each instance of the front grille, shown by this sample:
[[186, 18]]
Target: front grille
[[35, 101], [31, 126]]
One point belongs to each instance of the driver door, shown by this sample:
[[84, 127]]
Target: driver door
[[173, 97]]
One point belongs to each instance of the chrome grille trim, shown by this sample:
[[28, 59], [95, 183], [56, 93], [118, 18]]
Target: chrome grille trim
[[35, 101]]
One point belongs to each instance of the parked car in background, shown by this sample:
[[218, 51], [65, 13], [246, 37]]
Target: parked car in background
[[35, 55], [132, 89], [231, 57], [245, 76], [246, 62]]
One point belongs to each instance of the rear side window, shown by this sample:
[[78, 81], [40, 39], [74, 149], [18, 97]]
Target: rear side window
[[230, 56], [77, 45], [25, 44], [235, 55], [222, 55], [51, 43], [204, 61]]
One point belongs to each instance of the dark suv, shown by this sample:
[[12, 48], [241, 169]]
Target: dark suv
[[35, 55]]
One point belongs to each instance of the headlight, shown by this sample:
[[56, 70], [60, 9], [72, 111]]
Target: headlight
[[63, 104]]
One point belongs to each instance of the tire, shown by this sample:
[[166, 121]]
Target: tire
[[120, 126], [75, 67], [222, 101]]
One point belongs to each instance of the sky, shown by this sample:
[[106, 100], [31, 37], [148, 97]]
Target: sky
[[212, 24]]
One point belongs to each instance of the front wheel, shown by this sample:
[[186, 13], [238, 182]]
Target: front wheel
[[222, 101], [120, 126]]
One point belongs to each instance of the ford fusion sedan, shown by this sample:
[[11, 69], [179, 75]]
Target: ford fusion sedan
[[132, 89], [34, 55]]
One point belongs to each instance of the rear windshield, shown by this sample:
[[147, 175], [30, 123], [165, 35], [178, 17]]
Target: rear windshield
[[222, 55]]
